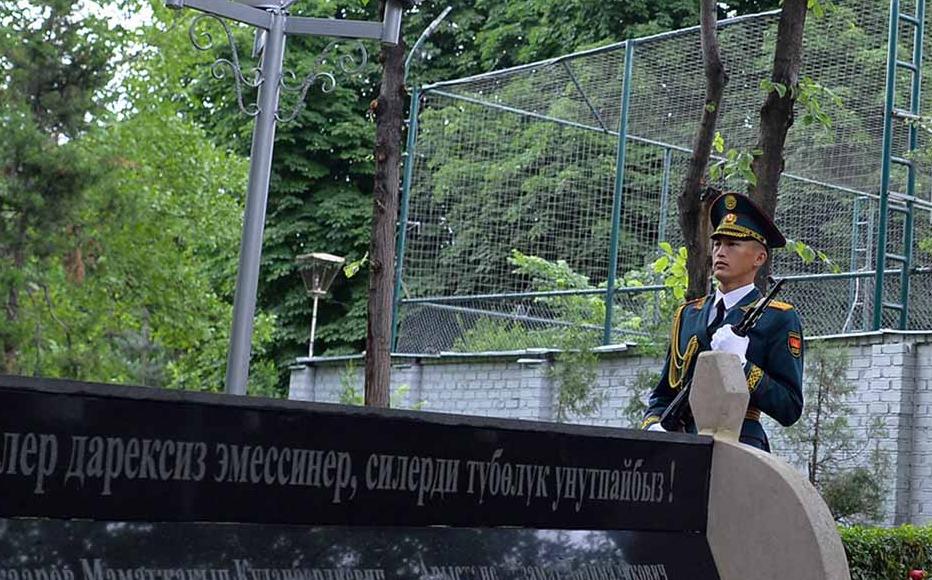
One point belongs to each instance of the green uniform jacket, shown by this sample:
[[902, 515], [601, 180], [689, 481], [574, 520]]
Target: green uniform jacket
[[774, 369]]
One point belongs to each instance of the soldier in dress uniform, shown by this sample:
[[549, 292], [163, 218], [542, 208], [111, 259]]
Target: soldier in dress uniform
[[772, 353]]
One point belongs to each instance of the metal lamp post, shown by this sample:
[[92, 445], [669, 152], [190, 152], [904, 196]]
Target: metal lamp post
[[318, 270], [273, 24]]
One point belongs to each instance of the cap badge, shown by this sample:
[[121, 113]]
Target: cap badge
[[730, 218], [730, 202]]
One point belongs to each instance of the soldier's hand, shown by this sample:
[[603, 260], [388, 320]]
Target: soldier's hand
[[656, 427], [725, 340]]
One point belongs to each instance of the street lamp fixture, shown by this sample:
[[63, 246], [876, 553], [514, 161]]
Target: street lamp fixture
[[318, 270], [273, 25]]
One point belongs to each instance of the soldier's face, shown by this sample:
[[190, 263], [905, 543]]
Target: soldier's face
[[735, 262]]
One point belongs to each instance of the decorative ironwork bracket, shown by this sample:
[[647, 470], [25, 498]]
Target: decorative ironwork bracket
[[349, 57]]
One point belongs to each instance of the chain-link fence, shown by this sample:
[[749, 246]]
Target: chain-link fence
[[526, 183]]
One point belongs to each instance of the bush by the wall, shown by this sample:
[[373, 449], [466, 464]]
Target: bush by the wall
[[887, 553]]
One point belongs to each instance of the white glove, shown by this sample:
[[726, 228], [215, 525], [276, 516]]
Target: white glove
[[656, 427], [725, 340]]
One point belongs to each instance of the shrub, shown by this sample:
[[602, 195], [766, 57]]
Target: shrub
[[886, 553]]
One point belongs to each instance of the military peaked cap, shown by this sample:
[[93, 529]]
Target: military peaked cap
[[734, 215]]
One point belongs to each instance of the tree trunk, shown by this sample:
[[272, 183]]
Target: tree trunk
[[389, 118], [693, 208], [10, 351], [776, 115], [11, 345]]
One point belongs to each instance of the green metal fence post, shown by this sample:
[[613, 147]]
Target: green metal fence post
[[880, 257], [617, 196], [891, 112], [915, 95], [403, 212], [908, 255]]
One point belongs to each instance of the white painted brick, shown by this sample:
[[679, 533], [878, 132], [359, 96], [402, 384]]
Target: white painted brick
[[894, 371], [860, 362], [890, 396], [881, 361], [876, 366]]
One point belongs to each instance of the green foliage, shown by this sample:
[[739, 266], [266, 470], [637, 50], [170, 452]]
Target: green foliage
[[321, 179], [810, 95], [819, 7], [521, 199], [768, 85], [854, 494], [735, 164], [575, 365], [131, 222], [575, 370], [718, 142], [886, 553], [321, 175], [162, 261], [491, 335], [638, 391], [56, 67], [528, 30], [587, 311], [808, 254], [352, 268], [646, 313], [57, 61], [671, 267], [120, 256], [926, 245], [546, 275], [352, 394]]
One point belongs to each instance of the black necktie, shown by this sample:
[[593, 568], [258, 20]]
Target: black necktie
[[719, 317]]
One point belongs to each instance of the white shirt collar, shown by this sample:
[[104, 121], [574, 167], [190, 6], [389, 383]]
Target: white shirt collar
[[733, 297]]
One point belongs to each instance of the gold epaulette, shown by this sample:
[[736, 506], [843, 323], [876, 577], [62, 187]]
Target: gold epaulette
[[781, 305], [698, 303]]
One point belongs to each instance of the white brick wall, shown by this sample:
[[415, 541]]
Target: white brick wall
[[891, 370]]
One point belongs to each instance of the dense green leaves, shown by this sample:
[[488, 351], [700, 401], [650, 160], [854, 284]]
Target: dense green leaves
[[55, 64], [122, 196], [120, 233], [320, 199], [887, 553], [143, 293]]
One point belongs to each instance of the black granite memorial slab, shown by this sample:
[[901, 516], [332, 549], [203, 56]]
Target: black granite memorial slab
[[118, 453], [45, 549], [124, 483]]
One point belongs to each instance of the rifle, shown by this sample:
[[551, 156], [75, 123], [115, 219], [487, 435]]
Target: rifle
[[674, 416]]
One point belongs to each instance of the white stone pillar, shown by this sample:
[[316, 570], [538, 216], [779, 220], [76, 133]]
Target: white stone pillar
[[766, 521]]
